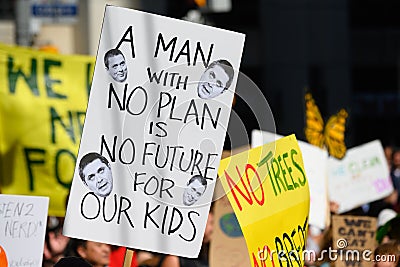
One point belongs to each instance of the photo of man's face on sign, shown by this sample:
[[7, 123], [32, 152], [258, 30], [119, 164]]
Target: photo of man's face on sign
[[95, 172], [115, 64], [196, 187], [216, 79]]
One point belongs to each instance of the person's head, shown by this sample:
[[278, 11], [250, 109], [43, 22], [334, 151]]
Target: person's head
[[115, 64], [387, 254], [54, 241], [196, 187], [95, 172], [97, 254], [216, 79]]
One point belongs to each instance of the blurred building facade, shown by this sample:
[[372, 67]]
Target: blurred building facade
[[346, 52]]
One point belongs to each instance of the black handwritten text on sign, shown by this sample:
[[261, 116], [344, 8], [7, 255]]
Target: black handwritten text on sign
[[19, 219]]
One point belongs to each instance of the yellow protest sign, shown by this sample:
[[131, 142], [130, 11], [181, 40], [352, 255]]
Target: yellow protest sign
[[43, 99], [268, 190]]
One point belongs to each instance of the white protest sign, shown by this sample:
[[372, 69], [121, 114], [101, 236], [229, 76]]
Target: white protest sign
[[362, 176], [23, 221], [315, 164], [159, 131]]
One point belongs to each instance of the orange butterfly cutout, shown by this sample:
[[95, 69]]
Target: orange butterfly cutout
[[331, 135]]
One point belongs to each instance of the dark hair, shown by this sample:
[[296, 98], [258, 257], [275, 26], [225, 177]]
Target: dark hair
[[72, 247], [88, 158], [227, 67], [200, 178], [112, 53], [72, 262]]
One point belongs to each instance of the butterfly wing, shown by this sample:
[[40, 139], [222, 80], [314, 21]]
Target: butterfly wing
[[314, 129], [334, 134]]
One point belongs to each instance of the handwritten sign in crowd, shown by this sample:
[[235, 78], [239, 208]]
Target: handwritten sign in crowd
[[23, 221], [154, 131], [354, 240], [265, 186], [43, 98], [362, 176]]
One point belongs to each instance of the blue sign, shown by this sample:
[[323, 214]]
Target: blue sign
[[54, 10]]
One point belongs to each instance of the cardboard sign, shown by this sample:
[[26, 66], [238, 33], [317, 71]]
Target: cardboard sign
[[23, 221], [265, 186], [43, 99], [228, 246], [362, 176], [315, 165], [354, 240], [153, 136]]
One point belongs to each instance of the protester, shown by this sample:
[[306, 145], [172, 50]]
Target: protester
[[98, 254], [387, 254], [55, 242], [384, 217], [389, 231]]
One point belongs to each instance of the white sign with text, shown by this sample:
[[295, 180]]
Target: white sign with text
[[23, 221], [362, 176], [155, 126]]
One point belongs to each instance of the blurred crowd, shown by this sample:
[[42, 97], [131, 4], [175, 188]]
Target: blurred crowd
[[386, 211], [60, 250]]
